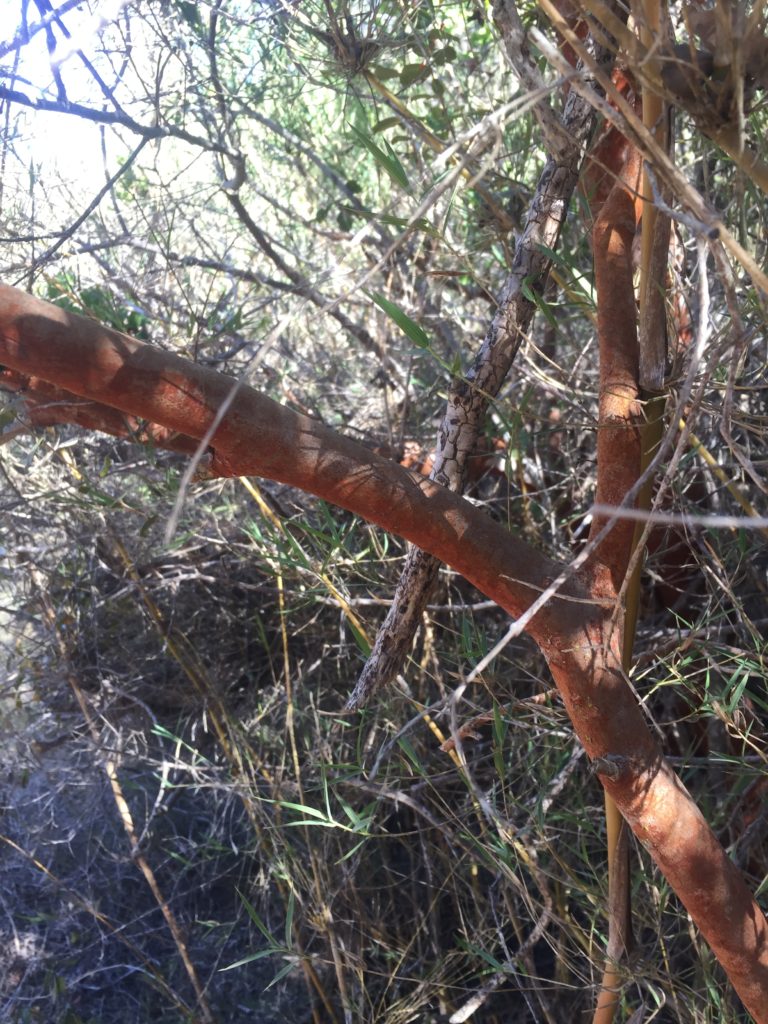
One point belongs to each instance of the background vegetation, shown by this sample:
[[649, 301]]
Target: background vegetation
[[323, 200]]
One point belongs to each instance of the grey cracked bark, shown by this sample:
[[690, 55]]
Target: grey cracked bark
[[471, 395]]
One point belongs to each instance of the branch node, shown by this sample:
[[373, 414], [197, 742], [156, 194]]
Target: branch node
[[613, 766]]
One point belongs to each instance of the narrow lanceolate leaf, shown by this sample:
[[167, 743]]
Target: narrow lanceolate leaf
[[254, 916], [386, 122], [250, 958], [388, 160], [289, 919], [409, 327], [303, 808]]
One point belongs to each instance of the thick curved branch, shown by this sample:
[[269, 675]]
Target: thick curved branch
[[45, 405]]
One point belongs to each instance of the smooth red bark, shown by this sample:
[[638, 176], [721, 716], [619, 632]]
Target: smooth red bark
[[47, 405], [612, 182]]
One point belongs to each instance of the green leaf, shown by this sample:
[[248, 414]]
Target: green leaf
[[304, 809], [386, 122], [289, 919], [420, 224], [412, 73], [388, 161], [499, 725], [362, 642], [352, 852], [356, 820], [407, 748], [737, 690], [250, 958], [480, 952], [251, 911], [384, 74], [527, 291], [444, 55], [281, 974], [409, 327], [316, 824]]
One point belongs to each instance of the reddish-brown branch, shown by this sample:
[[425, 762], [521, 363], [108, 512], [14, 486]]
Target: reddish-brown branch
[[611, 181], [46, 405], [258, 436], [613, 184], [663, 817]]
